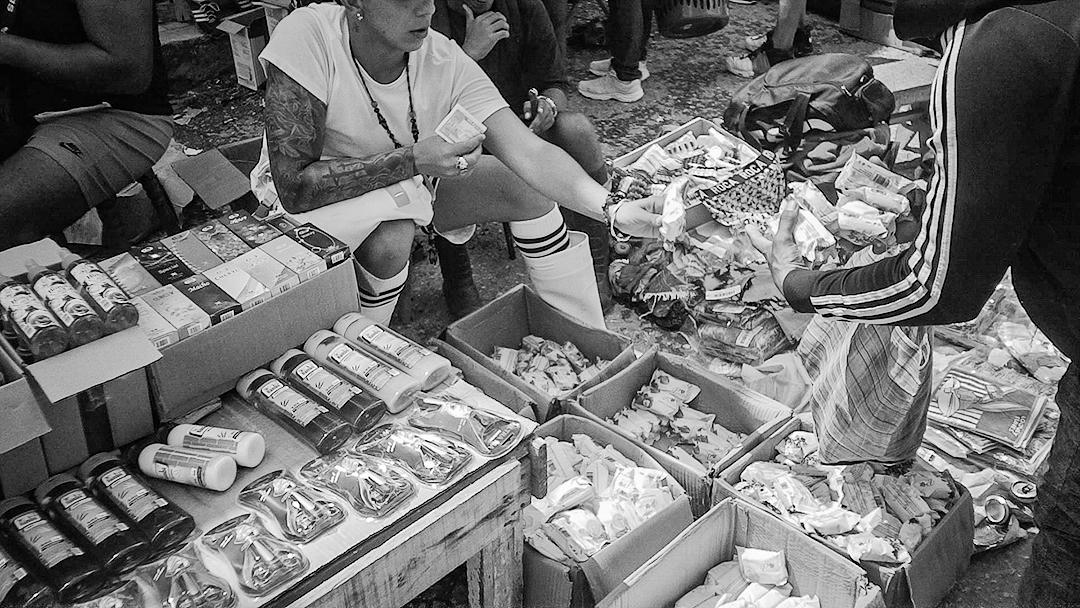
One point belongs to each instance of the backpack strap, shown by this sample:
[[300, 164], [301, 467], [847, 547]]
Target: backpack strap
[[795, 121], [740, 124]]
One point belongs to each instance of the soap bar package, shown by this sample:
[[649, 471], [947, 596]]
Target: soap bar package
[[268, 271], [179, 310], [221, 240], [295, 257], [209, 297], [250, 230], [321, 244], [191, 251], [130, 275], [157, 329], [161, 263], [240, 285]]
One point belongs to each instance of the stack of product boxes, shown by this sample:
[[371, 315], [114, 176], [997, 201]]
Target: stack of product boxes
[[187, 282]]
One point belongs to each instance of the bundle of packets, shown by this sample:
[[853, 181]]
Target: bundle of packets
[[595, 496], [661, 416], [755, 579], [551, 368], [869, 514]]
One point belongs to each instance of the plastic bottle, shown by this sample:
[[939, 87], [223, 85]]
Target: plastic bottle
[[408, 356], [164, 523], [323, 429], [358, 407], [51, 555], [18, 587], [191, 467], [117, 546], [83, 324], [396, 388], [26, 316], [245, 447], [101, 292]]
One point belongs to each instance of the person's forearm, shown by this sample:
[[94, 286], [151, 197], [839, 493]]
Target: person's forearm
[[80, 67], [333, 180]]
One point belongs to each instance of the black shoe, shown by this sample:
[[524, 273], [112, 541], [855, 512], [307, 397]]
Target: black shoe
[[459, 289], [599, 247]]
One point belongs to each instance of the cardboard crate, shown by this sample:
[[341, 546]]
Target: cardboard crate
[[195, 370], [736, 407], [486, 380], [682, 564], [937, 563], [248, 35], [520, 312], [22, 461], [552, 584]]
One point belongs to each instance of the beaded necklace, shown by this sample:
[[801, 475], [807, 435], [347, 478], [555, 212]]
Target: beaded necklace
[[378, 114]]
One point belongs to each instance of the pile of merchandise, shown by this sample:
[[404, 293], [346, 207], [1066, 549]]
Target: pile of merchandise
[[756, 578], [867, 512], [595, 496], [549, 367], [661, 416]]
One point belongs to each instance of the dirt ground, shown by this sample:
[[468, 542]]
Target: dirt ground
[[687, 81]]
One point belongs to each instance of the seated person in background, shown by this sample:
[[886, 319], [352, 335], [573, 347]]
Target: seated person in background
[[514, 43], [790, 38], [354, 94], [59, 57]]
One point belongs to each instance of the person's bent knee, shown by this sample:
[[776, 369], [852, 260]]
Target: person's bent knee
[[576, 135], [386, 250]]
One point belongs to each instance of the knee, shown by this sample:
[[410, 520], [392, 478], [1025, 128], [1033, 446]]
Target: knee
[[385, 252], [574, 133]]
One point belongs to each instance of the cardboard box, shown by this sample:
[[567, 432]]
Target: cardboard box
[[550, 583], [22, 468], [22, 461], [214, 178], [130, 275], [248, 35], [209, 297], [869, 24], [178, 310], [485, 380], [937, 563], [274, 15], [520, 312], [268, 271], [295, 257], [240, 285], [711, 540], [191, 251], [736, 408], [159, 331], [208, 364]]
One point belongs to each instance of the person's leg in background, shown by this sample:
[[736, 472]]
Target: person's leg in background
[[789, 38], [559, 13], [626, 40], [38, 198]]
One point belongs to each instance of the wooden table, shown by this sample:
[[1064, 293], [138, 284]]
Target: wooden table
[[476, 520]]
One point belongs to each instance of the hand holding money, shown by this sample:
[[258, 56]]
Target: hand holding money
[[438, 158]]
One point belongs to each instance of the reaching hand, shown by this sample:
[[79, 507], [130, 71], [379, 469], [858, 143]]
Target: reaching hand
[[782, 252], [483, 32], [640, 217], [435, 157], [540, 111]]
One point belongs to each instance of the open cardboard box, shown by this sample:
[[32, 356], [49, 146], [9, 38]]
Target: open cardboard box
[[736, 407], [520, 312], [486, 380], [936, 564], [682, 564], [48, 398], [551, 584], [199, 368]]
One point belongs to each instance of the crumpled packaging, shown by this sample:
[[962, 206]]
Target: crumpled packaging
[[680, 389], [797, 446], [800, 601], [762, 567], [566, 495], [863, 224], [577, 532], [831, 521]]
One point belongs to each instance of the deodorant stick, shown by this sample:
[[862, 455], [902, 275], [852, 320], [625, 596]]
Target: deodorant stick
[[191, 467], [245, 447]]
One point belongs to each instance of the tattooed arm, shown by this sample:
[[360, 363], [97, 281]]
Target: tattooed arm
[[295, 128]]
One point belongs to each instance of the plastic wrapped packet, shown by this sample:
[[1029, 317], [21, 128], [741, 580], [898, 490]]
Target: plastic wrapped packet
[[797, 446], [762, 567], [372, 488], [486, 432], [618, 516], [301, 512], [566, 495], [541, 382], [506, 358], [663, 404], [262, 562], [181, 580], [123, 594], [433, 459], [532, 344], [683, 390], [577, 532], [831, 521], [574, 356]]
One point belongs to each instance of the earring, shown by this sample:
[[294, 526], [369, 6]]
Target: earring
[[359, 16]]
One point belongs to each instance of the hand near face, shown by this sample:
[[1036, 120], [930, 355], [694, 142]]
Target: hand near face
[[483, 32]]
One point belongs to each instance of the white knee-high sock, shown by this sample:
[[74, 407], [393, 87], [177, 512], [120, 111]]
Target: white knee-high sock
[[542, 236], [378, 297]]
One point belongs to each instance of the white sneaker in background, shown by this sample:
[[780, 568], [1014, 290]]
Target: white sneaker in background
[[602, 67], [609, 87]]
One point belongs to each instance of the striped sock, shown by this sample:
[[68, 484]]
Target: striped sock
[[378, 297], [542, 236]]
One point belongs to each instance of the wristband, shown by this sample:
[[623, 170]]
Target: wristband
[[610, 210]]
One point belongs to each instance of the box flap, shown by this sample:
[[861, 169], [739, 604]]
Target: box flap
[[92, 364], [13, 261], [21, 418], [217, 181]]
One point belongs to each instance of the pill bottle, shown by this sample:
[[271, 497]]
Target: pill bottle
[[49, 553], [408, 356], [18, 587], [103, 294], [323, 429], [165, 524], [358, 407], [245, 447], [103, 535], [191, 467], [396, 388], [83, 324]]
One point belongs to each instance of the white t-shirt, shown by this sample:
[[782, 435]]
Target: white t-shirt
[[311, 46]]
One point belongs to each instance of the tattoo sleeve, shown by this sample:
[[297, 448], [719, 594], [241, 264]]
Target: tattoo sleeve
[[295, 130]]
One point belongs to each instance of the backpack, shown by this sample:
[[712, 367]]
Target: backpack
[[772, 110]]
